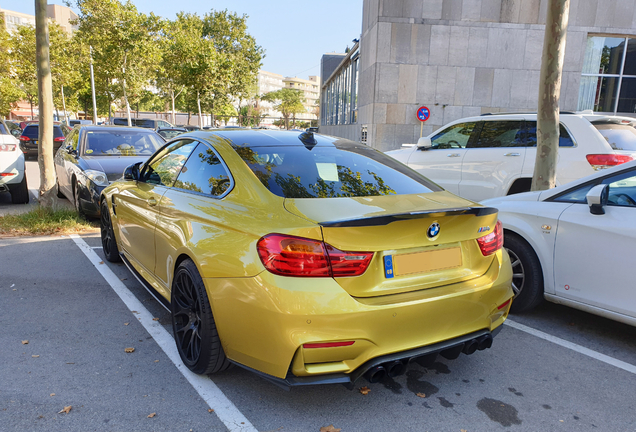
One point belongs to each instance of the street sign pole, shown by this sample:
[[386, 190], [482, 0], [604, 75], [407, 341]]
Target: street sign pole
[[423, 114]]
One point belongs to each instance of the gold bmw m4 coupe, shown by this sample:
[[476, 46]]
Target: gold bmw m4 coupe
[[306, 259]]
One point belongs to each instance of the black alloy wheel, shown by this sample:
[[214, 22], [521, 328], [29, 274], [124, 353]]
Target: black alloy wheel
[[109, 244], [193, 325], [527, 275]]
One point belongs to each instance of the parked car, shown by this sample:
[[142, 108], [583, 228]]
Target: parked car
[[94, 156], [313, 129], [190, 127], [141, 122], [308, 259], [74, 122], [494, 155], [574, 244], [169, 133], [12, 169], [29, 138]]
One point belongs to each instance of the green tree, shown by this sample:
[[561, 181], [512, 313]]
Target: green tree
[[288, 101], [10, 92], [125, 46]]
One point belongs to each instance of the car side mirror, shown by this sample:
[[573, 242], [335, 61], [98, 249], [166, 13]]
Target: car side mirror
[[597, 198], [132, 172], [424, 143]]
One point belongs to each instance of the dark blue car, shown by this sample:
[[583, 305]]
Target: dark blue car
[[94, 156]]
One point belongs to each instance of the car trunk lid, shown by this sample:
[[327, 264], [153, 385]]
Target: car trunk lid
[[419, 241]]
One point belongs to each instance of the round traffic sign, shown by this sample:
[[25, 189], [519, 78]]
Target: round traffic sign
[[423, 113]]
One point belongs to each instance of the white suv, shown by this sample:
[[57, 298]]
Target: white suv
[[494, 154], [12, 174]]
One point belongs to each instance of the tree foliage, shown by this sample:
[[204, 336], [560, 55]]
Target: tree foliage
[[288, 101]]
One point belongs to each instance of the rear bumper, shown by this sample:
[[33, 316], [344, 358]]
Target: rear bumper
[[264, 322]]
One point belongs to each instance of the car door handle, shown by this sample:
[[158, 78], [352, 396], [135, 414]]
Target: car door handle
[[512, 154], [152, 202], [452, 155]]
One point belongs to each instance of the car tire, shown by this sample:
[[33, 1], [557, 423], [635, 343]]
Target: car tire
[[76, 200], [59, 191], [109, 244], [193, 325], [19, 192], [527, 276]]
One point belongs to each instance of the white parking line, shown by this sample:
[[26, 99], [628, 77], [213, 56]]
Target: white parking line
[[226, 411], [574, 347]]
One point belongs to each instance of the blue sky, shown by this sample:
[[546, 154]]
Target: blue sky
[[294, 34]]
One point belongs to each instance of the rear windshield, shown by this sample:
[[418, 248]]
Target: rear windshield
[[343, 170], [3, 130], [620, 137], [120, 143], [31, 131], [169, 134]]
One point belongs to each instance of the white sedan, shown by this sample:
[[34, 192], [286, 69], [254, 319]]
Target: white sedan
[[575, 244]]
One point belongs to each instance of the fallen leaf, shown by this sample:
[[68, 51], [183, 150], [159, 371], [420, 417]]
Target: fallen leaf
[[14, 289], [124, 278], [129, 350], [329, 428], [152, 415], [101, 262], [210, 410], [463, 430], [52, 394], [422, 395], [66, 409], [155, 319], [156, 361], [35, 356], [135, 312], [70, 363], [24, 342], [364, 390], [561, 421], [126, 323]]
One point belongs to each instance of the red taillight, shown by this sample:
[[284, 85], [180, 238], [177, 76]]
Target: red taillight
[[504, 304], [7, 174], [7, 147], [296, 256], [24, 138], [328, 344], [491, 243], [600, 161], [59, 139]]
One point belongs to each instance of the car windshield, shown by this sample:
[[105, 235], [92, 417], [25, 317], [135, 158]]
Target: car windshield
[[121, 143], [342, 170], [619, 136], [169, 134]]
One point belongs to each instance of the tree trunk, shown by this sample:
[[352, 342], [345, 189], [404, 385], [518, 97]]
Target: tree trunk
[[199, 106], [64, 106], [47, 192], [172, 97], [549, 91], [126, 96]]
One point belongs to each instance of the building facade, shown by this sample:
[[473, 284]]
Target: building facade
[[463, 58], [310, 92], [60, 14]]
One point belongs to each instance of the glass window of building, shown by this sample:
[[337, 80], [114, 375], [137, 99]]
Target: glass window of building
[[608, 81], [340, 93]]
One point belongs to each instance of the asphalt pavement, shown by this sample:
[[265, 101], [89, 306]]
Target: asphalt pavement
[[78, 329]]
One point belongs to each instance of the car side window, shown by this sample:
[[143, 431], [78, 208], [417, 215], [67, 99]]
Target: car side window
[[165, 166], [204, 173], [493, 134], [456, 136], [565, 140], [72, 139], [622, 190]]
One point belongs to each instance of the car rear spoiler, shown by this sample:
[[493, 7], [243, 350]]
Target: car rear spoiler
[[387, 219]]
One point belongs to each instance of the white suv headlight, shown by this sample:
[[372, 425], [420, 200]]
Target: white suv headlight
[[97, 177]]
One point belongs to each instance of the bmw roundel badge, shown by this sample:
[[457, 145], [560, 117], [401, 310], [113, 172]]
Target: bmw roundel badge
[[433, 230]]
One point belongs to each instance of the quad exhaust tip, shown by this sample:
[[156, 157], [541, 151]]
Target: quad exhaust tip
[[396, 368]]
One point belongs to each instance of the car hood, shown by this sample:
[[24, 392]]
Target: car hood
[[113, 166], [526, 196]]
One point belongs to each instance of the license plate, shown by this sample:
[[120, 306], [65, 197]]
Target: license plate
[[35, 142], [422, 262]]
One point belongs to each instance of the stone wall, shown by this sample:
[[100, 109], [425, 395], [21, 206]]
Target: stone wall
[[464, 57]]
